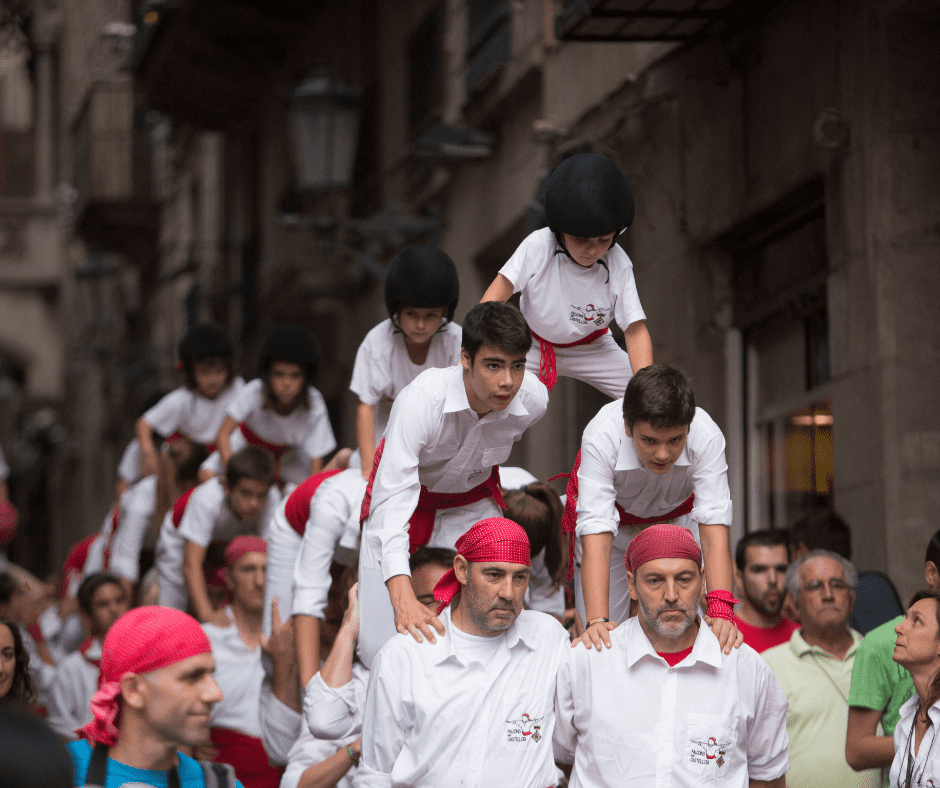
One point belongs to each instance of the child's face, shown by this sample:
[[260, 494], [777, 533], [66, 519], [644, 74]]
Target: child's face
[[287, 381], [247, 498], [419, 324], [210, 375], [658, 447], [492, 379], [587, 251]]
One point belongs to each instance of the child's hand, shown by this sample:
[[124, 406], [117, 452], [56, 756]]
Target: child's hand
[[729, 636], [596, 635], [413, 618]]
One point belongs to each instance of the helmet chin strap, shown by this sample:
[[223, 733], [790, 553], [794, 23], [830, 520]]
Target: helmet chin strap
[[561, 243]]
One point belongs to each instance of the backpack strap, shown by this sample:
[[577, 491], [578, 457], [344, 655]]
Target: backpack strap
[[218, 775]]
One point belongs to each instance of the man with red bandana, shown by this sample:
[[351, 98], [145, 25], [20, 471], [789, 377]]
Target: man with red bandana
[[475, 707], [664, 705], [155, 695]]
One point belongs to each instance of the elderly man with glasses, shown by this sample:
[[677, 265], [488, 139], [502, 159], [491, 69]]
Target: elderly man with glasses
[[815, 670]]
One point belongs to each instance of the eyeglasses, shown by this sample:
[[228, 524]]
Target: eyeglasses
[[814, 586]]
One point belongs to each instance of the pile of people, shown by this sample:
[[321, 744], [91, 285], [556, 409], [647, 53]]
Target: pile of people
[[396, 614]]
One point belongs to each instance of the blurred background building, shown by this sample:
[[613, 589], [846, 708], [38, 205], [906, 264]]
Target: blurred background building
[[259, 161]]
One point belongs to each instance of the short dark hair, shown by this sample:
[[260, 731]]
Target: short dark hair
[[496, 324], [250, 462], [23, 690], [8, 588], [538, 509], [94, 581], [769, 538], [660, 394], [189, 368], [933, 550], [821, 528], [424, 555]]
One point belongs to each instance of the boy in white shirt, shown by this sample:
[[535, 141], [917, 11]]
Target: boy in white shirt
[[446, 434], [574, 279], [421, 292]]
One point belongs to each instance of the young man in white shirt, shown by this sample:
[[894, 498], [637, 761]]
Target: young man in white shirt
[[102, 600], [434, 472], [664, 705], [474, 708]]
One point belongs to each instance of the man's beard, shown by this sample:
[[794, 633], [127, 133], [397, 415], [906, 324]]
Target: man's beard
[[759, 603], [672, 630]]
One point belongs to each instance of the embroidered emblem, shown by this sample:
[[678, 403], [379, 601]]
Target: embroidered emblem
[[523, 728], [589, 314], [709, 752]]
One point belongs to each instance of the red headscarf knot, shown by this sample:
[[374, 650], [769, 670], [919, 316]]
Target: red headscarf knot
[[662, 541], [142, 640], [493, 539]]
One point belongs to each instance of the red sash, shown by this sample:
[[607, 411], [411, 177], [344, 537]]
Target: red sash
[[210, 447], [570, 519], [247, 756], [180, 507], [548, 373], [297, 507], [83, 649], [74, 563], [276, 450], [421, 523]]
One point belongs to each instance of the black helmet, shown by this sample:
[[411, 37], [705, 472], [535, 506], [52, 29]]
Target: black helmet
[[204, 340], [292, 343], [588, 196], [422, 275]]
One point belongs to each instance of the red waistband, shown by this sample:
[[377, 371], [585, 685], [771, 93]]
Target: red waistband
[[274, 449], [548, 372], [247, 756], [421, 522]]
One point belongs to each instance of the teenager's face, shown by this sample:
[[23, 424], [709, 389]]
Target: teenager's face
[[210, 375], [176, 701], [918, 634], [587, 251], [108, 604], [247, 498], [493, 595], [762, 580], [7, 660], [246, 578], [419, 324], [287, 381], [492, 379], [423, 580], [658, 447]]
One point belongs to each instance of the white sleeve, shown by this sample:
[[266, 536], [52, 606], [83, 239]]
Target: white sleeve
[[199, 519], [164, 417], [63, 714], [246, 402], [383, 727], [129, 466], [522, 266], [370, 381], [328, 516], [767, 739], [565, 736], [710, 484], [281, 726], [627, 308], [137, 507], [335, 712], [397, 486], [319, 440], [597, 496]]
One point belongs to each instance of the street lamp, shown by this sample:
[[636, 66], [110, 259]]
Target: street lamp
[[324, 123]]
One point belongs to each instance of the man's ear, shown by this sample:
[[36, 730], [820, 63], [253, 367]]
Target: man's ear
[[932, 576], [631, 584], [465, 359], [738, 582], [225, 485], [461, 569], [134, 690]]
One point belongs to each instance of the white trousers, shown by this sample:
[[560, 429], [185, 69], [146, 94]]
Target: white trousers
[[169, 562], [602, 363], [283, 547], [376, 616]]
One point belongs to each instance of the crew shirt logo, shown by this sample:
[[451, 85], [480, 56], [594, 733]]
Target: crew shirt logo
[[524, 729], [706, 753], [588, 314]]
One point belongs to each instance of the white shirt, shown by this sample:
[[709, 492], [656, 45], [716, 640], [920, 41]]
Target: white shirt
[[188, 412], [611, 471], [563, 301], [435, 439], [435, 718], [209, 516], [74, 685], [136, 507], [239, 673], [309, 751], [129, 466], [383, 367], [334, 511], [627, 718], [308, 430], [927, 761], [335, 712], [280, 724]]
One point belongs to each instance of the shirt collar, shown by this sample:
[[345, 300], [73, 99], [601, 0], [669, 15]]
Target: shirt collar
[[520, 631], [705, 649], [455, 398], [627, 458], [801, 648]]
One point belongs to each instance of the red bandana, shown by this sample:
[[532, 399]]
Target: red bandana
[[242, 545], [493, 539], [142, 640], [662, 541]]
